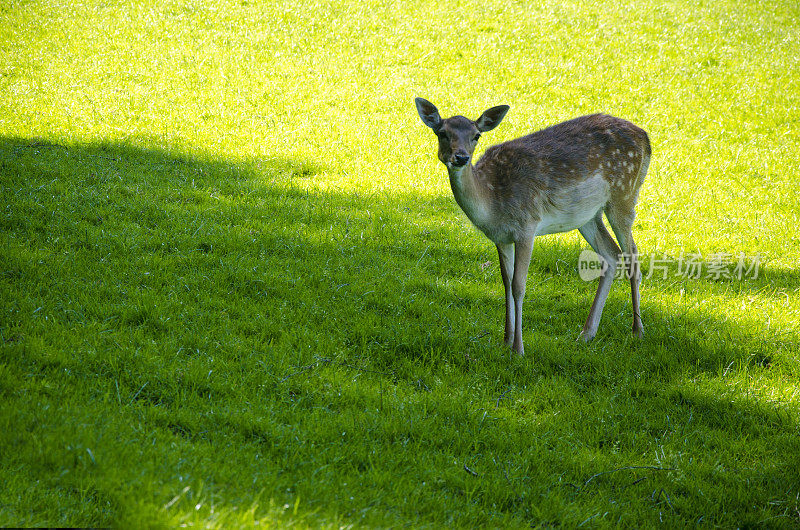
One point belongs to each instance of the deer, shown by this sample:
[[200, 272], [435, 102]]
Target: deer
[[558, 179]]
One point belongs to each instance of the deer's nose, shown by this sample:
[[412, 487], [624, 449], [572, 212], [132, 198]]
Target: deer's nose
[[460, 159]]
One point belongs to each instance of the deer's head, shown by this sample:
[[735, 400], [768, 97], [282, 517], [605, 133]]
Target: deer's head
[[458, 135]]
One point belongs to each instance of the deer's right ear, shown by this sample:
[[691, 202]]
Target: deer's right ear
[[428, 113]]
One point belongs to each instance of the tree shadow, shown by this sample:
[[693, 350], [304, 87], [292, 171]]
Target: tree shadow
[[115, 249]]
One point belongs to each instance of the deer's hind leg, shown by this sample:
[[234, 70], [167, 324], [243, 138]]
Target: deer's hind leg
[[596, 233], [621, 221]]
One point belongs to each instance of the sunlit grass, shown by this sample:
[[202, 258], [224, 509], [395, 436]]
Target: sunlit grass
[[236, 290]]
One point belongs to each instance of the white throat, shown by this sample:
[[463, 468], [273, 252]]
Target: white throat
[[466, 191]]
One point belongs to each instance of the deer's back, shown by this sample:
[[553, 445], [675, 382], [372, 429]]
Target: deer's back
[[568, 150]]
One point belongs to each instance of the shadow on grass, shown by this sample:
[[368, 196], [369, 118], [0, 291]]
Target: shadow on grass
[[152, 270], [307, 253]]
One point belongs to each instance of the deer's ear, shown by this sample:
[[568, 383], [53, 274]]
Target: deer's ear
[[428, 113], [491, 118]]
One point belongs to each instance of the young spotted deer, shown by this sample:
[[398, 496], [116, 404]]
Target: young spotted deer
[[554, 180]]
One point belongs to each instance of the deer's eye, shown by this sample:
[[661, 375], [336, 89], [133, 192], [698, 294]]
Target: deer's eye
[[477, 137]]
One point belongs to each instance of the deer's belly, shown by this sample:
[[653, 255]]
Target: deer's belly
[[574, 207]]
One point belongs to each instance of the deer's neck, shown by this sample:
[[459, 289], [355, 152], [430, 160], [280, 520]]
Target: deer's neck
[[471, 194]]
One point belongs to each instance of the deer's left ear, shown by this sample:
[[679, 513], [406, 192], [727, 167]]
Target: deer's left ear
[[491, 118]]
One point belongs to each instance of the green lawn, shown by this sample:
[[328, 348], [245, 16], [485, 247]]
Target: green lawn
[[235, 288]]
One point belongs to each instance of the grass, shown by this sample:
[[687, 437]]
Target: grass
[[236, 290]]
